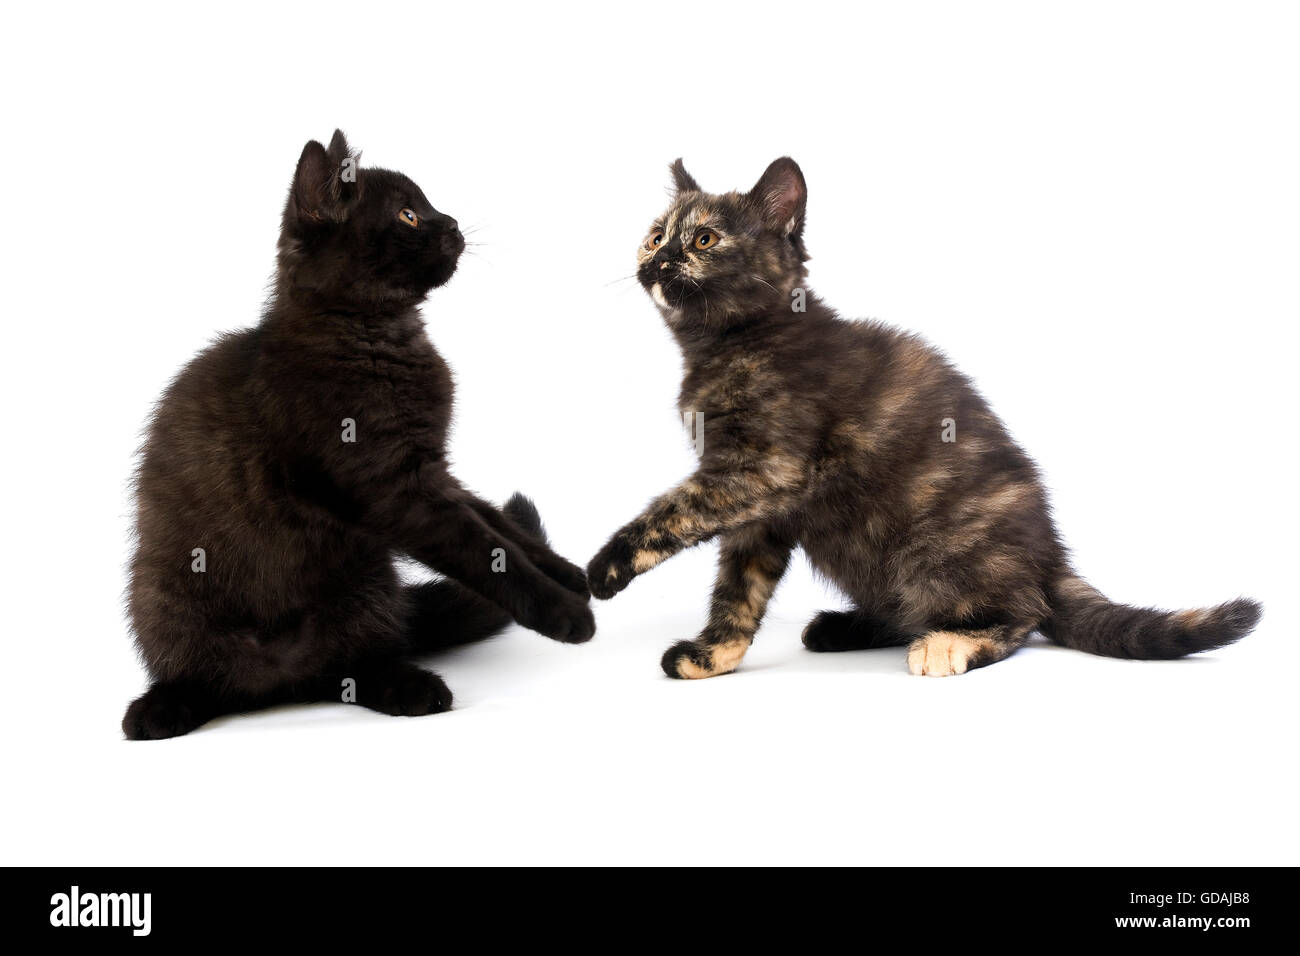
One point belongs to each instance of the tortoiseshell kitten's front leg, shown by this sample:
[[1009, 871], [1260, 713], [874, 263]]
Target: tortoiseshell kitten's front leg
[[750, 565], [720, 497]]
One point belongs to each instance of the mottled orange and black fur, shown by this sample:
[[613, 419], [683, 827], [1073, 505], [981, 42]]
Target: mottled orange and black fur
[[863, 446], [289, 464]]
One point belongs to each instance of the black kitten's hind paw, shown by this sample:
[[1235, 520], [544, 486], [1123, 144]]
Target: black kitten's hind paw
[[164, 711], [402, 690]]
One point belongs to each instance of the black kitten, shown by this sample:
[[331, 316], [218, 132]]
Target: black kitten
[[863, 446], [287, 464]]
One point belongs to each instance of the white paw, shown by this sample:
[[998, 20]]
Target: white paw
[[943, 653]]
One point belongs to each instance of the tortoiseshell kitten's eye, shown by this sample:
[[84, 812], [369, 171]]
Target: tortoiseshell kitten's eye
[[706, 239], [409, 217], [655, 240]]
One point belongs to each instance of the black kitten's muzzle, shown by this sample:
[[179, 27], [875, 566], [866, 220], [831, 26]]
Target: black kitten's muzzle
[[452, 242]]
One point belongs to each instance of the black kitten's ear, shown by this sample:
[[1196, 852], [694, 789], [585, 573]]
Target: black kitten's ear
[[782, 194], [683, 181], [322, 184], [339, 149]]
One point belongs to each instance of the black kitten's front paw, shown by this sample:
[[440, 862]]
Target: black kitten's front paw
[[404, 690], [567, 575], [610, 571], [563, 619]]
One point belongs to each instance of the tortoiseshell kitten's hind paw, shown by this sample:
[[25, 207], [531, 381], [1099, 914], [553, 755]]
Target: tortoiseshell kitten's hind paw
[[947, 653], [832, 631]]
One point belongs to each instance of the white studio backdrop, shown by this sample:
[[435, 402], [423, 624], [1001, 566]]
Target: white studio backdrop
[[1091, 208]]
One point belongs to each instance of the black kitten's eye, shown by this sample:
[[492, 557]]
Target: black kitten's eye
[[655, 241], [408, 217], [705, 239]]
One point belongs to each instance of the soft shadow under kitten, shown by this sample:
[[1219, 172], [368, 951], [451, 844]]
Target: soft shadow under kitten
[[863, 446], [288, 464]]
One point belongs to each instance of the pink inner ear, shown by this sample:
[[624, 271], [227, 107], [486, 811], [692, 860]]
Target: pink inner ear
[[782, 193], [783, 198]]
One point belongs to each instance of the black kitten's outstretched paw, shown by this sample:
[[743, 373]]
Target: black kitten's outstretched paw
[[402, 690], [561, 617], [610, 571], [567, 575], [164, 711]]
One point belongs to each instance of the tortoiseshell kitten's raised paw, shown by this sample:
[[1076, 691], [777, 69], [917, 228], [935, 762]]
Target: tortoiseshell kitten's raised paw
[[287, 465], [863, 446]]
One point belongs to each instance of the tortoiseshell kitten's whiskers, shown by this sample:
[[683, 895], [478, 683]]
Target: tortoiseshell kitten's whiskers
[[863, 446]]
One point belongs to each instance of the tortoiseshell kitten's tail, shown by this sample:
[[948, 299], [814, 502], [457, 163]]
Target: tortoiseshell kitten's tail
[[1084, 619]]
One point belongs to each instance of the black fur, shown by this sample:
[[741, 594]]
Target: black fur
[[249, 459]]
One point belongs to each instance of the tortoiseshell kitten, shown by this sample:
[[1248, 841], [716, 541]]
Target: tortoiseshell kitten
[[863, 446], [288, 464]]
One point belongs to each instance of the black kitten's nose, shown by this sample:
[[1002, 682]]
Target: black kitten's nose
[[452, 240]]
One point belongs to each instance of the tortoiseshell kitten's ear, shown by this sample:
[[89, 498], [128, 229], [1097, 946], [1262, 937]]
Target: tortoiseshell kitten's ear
[[781, 196], [683, 182]]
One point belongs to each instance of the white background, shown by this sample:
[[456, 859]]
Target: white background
[[1093, 208]]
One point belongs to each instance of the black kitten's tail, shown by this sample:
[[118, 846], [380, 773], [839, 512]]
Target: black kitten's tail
[[447, 614], [1082, 618], [521, 508]]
